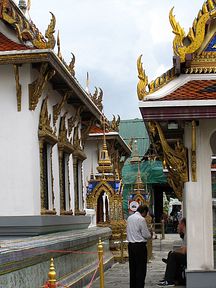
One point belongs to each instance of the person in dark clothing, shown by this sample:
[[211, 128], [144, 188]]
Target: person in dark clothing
[[176, 259], [137, 235]]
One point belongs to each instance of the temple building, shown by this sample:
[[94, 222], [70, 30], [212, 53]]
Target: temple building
[[46, 117], [179, 110]]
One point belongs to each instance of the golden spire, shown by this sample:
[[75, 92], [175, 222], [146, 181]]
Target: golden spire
[[105, 165], [52, 274], [139, 185]]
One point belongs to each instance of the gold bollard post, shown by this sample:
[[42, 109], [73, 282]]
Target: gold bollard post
[[101, 268], [162, 230], [52, 275], [122, 247]]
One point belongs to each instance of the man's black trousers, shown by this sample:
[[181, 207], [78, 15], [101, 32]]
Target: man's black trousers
[[174, 262], [137, 264]]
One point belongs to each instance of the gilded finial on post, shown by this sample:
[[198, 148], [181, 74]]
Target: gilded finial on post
[[100, 258], [52, 274]]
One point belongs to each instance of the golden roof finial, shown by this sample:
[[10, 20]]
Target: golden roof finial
[[87, 83], [59, 45], [52, 274]]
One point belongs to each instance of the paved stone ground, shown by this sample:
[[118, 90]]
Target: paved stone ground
[[118, 275]]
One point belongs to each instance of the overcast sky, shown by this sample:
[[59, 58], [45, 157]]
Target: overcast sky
[[107, 36]]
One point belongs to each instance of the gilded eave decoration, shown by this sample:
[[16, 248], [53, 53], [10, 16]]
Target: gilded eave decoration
[[45, 131], [64, 146], [45, 134], [26, 30], [63, 141], [71, 66], [182, 44], [57, 108], [145, 88], [175, 159], [193, 151], [114, 126], [18, 87], [36, 88], [203, 63], [97, 98]]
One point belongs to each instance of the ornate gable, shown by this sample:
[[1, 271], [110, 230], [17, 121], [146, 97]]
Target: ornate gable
[[194, 53]]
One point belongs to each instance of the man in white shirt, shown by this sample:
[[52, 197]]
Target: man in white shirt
[[137, 236]]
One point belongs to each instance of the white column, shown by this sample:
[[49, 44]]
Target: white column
[[198, 202]]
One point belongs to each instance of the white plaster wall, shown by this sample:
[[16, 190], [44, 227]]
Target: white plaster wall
[[198, 201], [19, 153], [91, 163]]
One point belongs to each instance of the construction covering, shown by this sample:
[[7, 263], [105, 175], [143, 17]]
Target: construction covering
[[151, 173]]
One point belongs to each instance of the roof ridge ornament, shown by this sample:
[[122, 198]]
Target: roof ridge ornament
[[154, 85], [143, 80], [195, 35]]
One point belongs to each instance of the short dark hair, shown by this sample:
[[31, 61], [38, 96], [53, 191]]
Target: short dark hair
[[142, 209]]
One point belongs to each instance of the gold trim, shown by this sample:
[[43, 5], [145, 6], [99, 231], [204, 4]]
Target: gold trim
[[27, 31], [71, 66], [115, 123], [175, 159], [45, 135], [18, 87], [193, 152], [195, 35], [143, 80], [97, 98], [57, 107], [159, 82], [64, 146], [36, 87]]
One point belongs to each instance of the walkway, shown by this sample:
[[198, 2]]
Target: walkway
[[118, 275]]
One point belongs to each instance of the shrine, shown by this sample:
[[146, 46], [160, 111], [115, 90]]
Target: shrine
[[179, 110]]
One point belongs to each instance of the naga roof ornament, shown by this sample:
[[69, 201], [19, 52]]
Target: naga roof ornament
[[26, 30], [144, 88], [194, 53], [190, 43]]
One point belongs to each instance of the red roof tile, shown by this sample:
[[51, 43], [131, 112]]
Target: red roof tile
[[194, 90], [95, 129], [8, 45]]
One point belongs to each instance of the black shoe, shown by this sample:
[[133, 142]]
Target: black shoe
[[164, 260], [166, 284]]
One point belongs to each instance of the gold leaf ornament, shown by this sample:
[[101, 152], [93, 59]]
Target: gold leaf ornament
[[143, 80]]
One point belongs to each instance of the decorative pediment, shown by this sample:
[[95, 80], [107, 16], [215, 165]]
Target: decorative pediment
[[183, 44]]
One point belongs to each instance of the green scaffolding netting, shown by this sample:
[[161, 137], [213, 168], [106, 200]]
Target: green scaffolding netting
[[151, 173]]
